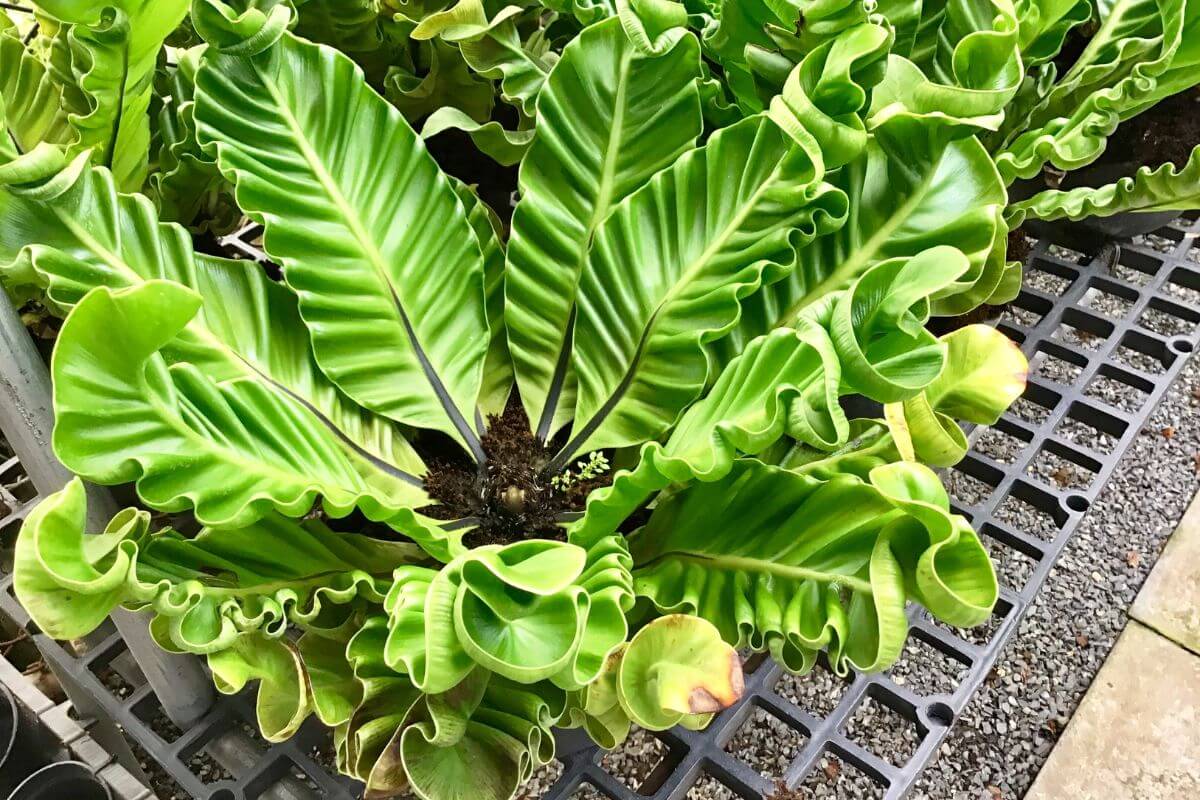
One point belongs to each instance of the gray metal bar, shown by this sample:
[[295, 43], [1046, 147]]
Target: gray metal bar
[[27, 419]]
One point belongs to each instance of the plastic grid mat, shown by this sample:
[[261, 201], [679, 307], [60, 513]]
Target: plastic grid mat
[[1116, 322]]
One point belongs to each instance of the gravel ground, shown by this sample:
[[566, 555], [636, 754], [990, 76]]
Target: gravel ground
[[1005, 734]]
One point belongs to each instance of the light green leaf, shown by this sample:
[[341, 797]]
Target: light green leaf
[[675, 668], [444, 82], [970, 52], [1044, 25], [788, 372], [354, 27], [985, 373], [824, 98], [393, 245], [869, 339], [186, 185], [529, 611], [333, 689], [1148, 190], [229, 449], [1143, 51], [503, 146], [283, 699], [596, 707], [588, 12], [112, 50], [789, 564], [506, 738], [498, 377], [609, 117], [659, 285], [76, 233], [206, 592], [494, 49], [759, 42], [32, 102], [480, 741], [909, 195]]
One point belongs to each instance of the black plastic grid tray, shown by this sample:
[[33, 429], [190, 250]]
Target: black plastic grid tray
[[1126, 314]]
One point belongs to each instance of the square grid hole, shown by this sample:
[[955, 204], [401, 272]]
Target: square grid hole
[[971, 482], [883, 731], [1184, 284], [1086, 435], [118, 681], [1125, 395], [206, 768], [150, 711], [1134, 267], [1019, 512], [709, 788], [1049, 279], [982, 633], [1014, 567], [160, 779], [925, 669], [999, 445], [1158, 242], [1059, 472], [833, 778], [1054, 368], [1085, 333], [818, 692], [1029, 410], [636, 759], [1109, 303], [1168, 319], [1014, 314], [1136, 351], [766, 743], [586, 791], [1071, 256], [294, 778]]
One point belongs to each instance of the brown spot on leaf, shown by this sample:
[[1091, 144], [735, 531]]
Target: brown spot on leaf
[[702, 701], [710, 699]]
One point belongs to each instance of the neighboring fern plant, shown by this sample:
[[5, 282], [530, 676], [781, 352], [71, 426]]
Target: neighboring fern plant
[[465, 472]]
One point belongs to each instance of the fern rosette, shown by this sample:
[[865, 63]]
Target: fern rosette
[[534, 414]]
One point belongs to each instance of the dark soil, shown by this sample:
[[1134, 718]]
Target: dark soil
[[1167, 133], [512, 499], [1019, 245], [1073, 47]]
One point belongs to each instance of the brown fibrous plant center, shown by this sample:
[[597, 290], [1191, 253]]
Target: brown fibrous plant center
[[512, 497]]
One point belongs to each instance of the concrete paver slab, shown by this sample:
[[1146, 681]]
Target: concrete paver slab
[[1134, 735], [1169, 602]]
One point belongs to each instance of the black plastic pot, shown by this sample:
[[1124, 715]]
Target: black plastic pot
[[1117, 226], [66, 780], [23, 746]]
